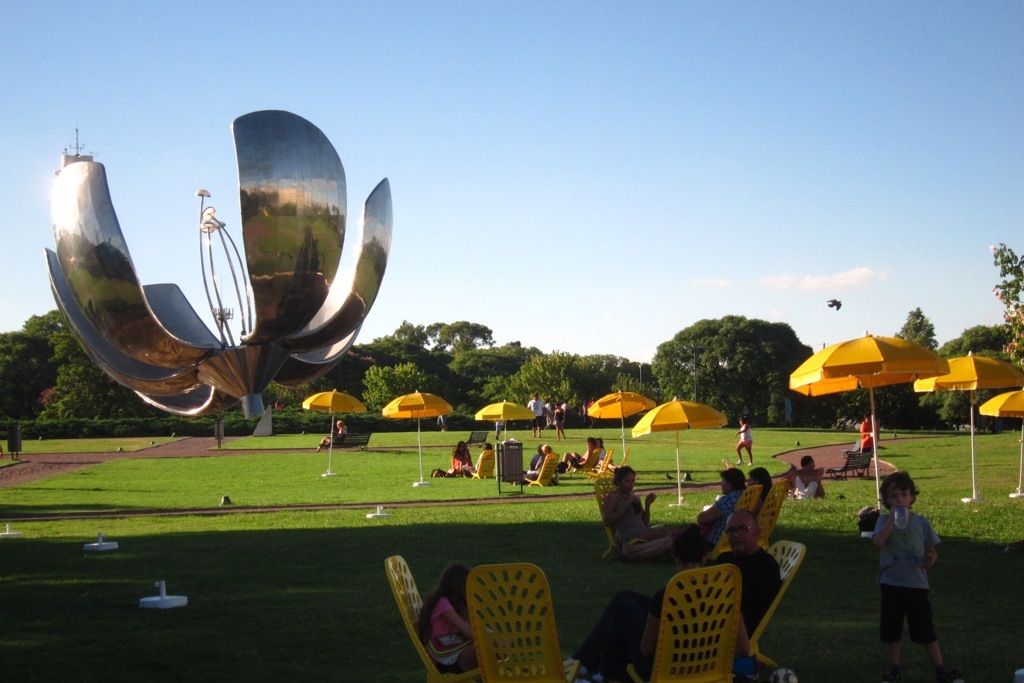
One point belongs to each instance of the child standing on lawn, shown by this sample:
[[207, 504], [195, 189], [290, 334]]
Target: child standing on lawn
[[907, 542]]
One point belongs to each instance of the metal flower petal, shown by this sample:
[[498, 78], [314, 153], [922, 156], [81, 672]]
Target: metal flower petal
[[298, 314]]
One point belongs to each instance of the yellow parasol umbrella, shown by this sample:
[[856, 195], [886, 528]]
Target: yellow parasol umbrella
[[620, 404], [503, 411], [968, 373], [332, 402], [417, 405], [1010, 404], [866, 363], [674, 416]]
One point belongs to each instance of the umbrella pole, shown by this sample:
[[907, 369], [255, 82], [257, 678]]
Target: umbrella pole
[[874, 445], [974, 480], [622, 433], [419, 447], [679, 478], [1020, 477], [330, 451]]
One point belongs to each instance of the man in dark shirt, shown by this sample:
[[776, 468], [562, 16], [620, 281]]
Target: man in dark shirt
[[758, 569]]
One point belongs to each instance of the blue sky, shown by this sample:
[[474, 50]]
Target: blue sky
[[588, 177]]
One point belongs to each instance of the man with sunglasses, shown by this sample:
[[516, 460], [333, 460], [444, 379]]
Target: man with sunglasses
[[759, 572]]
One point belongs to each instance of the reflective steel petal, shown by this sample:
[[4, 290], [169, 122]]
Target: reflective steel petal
[[352, 297], [100, 276], [202, 400], [293, 199], [135, 375]]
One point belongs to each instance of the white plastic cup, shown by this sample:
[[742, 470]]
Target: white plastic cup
[[901, 517]]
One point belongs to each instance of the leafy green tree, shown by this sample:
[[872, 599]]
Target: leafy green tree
[[899, 405], [952, 407], [461, 336], [473, 370], [983, 340], [1008, 291], [27, 367], [82, 390], [739, 362], [383, 384], [919, 329]]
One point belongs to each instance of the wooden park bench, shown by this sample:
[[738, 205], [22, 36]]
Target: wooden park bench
[[477, 438], [351, 440], [857, 462]]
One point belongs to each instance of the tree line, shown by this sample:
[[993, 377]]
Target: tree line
[[735, 364]]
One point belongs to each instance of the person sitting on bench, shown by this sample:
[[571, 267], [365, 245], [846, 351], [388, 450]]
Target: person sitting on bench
[[338, 432]]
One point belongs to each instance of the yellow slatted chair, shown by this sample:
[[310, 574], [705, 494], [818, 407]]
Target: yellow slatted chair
[[513, 619], [602, 469], [697, 632], [589, 467], [547, 470], [484, 465], [407, 596], [789, 555], [748, 499], [602, 487], [770, 511]]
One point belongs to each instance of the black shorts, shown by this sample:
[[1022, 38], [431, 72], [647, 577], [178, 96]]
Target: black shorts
[[540, 422], [913, 605]]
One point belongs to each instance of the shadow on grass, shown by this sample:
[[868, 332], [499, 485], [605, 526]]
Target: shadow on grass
[[313, 603]]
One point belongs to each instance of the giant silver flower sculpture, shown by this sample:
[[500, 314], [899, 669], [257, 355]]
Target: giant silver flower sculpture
[[298, 314]]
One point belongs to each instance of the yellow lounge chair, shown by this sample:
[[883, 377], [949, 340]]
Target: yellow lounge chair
[[602, 468], [407, 596], [748, 499], [513, 620], [484, 465], [770, 511], [547, 470], [697, 631], [789, 555]]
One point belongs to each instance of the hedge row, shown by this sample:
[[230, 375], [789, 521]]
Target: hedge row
[[285, 422]]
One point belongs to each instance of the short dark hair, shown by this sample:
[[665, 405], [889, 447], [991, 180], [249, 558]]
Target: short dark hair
[[899, 480], [689, 545], [735, 478], [806, 460]]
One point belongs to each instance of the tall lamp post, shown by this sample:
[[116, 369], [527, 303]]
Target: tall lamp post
[[641, 364]]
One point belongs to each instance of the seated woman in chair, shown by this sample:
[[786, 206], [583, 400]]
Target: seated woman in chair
[[630, 519], [338, 432]]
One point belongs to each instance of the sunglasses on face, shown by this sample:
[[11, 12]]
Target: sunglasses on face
[[740, 529]]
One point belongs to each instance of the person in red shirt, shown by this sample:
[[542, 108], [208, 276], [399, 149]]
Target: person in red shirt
[[866, 440]]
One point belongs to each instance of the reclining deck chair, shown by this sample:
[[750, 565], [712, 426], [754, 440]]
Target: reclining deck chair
[[513, 620], [697, 631], [547, 470], [748, 499], [602, 487], [407, 596], [789, 555], [485, 465], [770, 511], [601, 470]]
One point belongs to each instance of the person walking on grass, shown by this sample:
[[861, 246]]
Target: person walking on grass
[[907, 542], [537, 406], [746, 441]]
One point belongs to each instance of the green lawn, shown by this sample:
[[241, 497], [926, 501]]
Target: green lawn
[[302, 595]]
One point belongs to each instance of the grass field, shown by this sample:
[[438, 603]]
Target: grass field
[[301, 595]]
